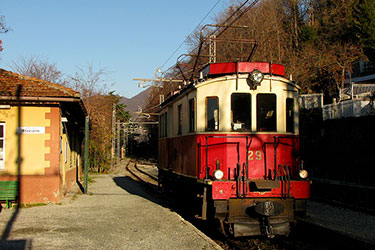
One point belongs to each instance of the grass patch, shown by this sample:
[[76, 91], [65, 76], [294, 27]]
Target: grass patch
[[75, 196], [90, 179], [29, 205]]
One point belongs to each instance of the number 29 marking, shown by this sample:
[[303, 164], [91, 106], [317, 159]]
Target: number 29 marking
[[258, 155]]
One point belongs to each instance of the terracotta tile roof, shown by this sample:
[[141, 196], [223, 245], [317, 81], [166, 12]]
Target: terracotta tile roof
[[34, 87]]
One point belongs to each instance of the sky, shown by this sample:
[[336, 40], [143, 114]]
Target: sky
[[129, 39]]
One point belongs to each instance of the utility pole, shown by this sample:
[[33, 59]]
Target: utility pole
[[125, 139], [87, 131], [118, 141], [113, 134]]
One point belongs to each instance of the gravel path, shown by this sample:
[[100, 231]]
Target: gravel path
[[118, 213]]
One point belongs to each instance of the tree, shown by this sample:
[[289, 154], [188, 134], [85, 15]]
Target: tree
[[39, 68], [313, 38], [364, 25], [99, 101], [3, 29], [89, 81]]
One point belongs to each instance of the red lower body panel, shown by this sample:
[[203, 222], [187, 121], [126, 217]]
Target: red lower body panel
[[241, 157], [199, 155]]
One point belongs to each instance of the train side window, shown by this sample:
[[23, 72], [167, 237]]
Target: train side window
[[212, 112], [290, 115], [179, 117], [191, 115], [266, 112], [166, 124], [161, 125], [241, 111]]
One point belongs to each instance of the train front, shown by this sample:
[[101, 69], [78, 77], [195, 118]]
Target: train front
[[247, 147]]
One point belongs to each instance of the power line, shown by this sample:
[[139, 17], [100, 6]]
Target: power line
[[239, 16], [191, 33], [252, 4]]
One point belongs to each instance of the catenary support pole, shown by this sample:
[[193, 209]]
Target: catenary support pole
[[113, 135], [87, 121]]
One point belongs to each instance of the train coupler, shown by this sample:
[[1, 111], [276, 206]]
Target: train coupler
[[266, 228]]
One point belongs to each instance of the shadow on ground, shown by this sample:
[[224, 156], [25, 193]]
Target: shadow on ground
[[16, 244], [137, 188]]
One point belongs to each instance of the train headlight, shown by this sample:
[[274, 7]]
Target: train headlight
[[218, 174], [255, 78], [303, 174]]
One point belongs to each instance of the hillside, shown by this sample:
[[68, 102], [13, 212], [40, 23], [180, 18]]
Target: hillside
[[133, 103]]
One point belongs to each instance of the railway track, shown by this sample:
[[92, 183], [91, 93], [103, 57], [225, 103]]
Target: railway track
[[142, 173], [143, 176], [153, 177], [303, 237]]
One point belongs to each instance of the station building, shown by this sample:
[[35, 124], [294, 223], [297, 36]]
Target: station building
[[41, 133]]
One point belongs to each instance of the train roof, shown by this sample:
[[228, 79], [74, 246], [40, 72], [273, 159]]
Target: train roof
[[215, 69]]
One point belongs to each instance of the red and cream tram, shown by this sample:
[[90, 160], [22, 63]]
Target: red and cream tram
[[229, 145]]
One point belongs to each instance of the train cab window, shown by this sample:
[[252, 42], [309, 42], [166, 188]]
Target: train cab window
[[290, 115], [191, 115], [266, 112], [212, 113], [179, 117], [241, 111]]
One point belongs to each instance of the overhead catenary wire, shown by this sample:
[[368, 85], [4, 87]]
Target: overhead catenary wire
[[209, 12], [234, 13], [216, 30], [237, 17], [226, 26]]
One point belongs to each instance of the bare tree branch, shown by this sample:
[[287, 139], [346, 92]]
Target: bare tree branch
[[38, 68]]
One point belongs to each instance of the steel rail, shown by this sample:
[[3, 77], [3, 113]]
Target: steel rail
[[145, 173], [152, 186]]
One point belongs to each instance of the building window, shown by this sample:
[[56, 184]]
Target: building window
[[212, 111], [179, 117], [191, 115], [290, 115], [266, 112], [2, 146], [241, 111]]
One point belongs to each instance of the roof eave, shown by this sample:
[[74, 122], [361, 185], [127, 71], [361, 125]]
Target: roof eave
[[45, 99]]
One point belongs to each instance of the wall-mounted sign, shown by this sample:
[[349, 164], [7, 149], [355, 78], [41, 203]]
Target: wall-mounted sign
[[31, 130]]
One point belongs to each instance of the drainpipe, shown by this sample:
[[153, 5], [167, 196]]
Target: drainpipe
[[87, 121]]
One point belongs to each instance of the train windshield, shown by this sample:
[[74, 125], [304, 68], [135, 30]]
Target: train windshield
[[266, 112], [241, 111]]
